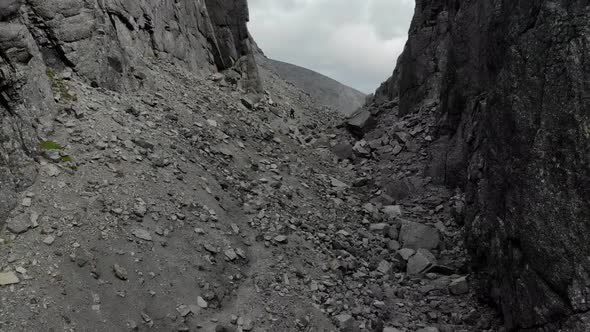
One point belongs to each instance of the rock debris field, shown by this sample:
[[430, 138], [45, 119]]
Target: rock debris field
[[193, 206]]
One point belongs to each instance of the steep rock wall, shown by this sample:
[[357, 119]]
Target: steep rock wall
[[108, 42], [26, 103], [509, 82], [229, 22], [105, 40]]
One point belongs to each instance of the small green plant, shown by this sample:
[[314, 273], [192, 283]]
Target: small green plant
[[51, 73], [69, 162], [50, 145], [60, 87], [586, 129], [54, 146]]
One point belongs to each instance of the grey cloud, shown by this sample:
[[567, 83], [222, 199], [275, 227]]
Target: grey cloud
[[353, 41], [391, 18], [273, 4]]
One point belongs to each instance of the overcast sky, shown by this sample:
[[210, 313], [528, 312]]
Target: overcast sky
[[353, 41]]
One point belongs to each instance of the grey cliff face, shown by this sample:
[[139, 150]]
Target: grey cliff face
[[107, 42], [508, 81]]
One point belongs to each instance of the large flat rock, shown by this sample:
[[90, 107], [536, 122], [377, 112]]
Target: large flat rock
[[361, 122], [414, 235]]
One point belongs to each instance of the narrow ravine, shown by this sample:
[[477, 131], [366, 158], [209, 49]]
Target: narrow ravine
[[159, 173]]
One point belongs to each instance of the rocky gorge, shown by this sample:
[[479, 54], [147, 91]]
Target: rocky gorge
[[155, 175]]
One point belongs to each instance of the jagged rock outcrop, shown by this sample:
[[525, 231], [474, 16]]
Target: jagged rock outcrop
[[508, 83], [229, 22], [108, 43], [233, 40]]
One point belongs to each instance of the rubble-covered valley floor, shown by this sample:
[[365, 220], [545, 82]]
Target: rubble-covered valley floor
[[189, 205]]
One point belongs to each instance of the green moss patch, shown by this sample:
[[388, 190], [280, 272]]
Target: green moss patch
[[50, 145]]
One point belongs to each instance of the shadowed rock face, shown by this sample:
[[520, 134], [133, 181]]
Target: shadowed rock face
[[106, 42], [229, 22], [509, 82], [9, 8], [232, 39]]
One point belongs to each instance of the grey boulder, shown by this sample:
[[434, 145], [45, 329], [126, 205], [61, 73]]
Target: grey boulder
[[415, 236]]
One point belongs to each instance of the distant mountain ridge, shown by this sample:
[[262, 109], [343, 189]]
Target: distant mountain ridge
[[325, 90]]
